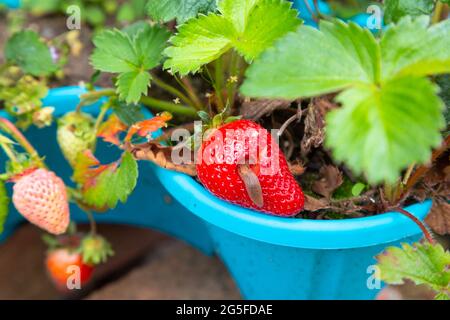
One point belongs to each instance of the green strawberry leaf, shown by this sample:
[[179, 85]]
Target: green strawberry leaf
[[131, 54], [310, 62], [150, 43], [388, 128], [26, 49], [394, 10], [105, 185], [422, 263], [258, 34], [240, 24], [444, 83], [114, 52], [199, 42], [132, 85], [181, 10], [412, 48], [380, 107], [128, 114], [4, 202]]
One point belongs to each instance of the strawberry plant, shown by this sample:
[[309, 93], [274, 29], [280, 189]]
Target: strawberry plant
[[362, 119]]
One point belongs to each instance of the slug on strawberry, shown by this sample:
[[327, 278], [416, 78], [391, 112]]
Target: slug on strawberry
[[75, 134], [241, 163], [41, 197]]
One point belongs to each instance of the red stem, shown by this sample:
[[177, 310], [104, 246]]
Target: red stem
[[421, 225], [20, 138]]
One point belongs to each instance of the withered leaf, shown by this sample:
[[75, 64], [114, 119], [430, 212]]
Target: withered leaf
[[315, 124], [255, 109], [330, 179], [162, 156], [314, 204], [439, 217]]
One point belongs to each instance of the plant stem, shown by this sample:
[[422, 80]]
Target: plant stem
[[11, 129], [92, 222], [94, 95], [220, 103], [311, 11], [103, 110], [172, 90], [234, 72], [437, 12], [218, 73], [9, 152], [160, 105], [408, 173], [192, 92], [421, 225]]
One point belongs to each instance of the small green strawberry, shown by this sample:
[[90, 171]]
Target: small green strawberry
[[75, 134]]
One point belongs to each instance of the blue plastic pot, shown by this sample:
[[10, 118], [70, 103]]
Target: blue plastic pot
[[13, 4], [286, 258], [149, 205], [360, 19]]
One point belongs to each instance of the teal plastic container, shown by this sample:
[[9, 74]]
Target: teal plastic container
[[149, 206], [286, 258], [13, 4]]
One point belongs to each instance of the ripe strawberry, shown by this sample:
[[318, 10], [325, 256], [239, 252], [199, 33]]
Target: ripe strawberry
[[60, 263], [40, 196], [262, 184], [75, 134]]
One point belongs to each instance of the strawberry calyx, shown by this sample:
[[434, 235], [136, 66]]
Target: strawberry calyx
[[15, 177], [95, 249]]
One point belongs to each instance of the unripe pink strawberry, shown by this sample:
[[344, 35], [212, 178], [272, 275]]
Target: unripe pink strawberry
[[41, 197]]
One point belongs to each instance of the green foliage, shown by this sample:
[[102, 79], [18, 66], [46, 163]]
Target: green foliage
[[131, 54], [349, 8], [181, 10], [128, 114], [22, 97], [106, 185], [95, 249], [444, 84], [93, 12], [248, 26], [26, 50], [4, 202], [391, 115], [394, 10], [425, 263]]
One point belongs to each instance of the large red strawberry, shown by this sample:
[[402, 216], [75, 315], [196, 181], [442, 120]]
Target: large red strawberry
[[240, 162], [64, 263], [40, 196]]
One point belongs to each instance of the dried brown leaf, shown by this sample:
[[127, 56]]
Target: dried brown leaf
[[162, 156], [315, 124], [255, 109], [330, 179], [439, 217], [314, 204]]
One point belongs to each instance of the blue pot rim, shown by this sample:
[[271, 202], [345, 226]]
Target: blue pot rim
[[292, 232]]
